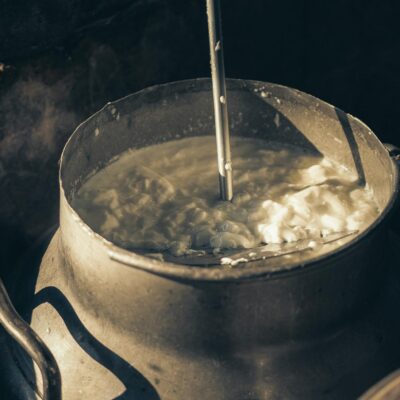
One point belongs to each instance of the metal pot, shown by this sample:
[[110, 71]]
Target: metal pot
[[121, 325]]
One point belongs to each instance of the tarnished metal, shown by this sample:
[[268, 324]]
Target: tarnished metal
[[290, 327]]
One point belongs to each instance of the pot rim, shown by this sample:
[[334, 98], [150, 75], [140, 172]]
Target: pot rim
[[218, 273]]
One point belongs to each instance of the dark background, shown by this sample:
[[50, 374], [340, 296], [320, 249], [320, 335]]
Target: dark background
[[62, 60]]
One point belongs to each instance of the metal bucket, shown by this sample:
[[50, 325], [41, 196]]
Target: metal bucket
[[121, 325]]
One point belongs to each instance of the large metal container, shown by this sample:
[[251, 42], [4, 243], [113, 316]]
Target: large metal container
[[121, 325]]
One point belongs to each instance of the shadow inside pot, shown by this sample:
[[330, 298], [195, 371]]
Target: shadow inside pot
[[355, 152]]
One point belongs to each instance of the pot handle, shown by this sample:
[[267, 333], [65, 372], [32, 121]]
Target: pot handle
[[386, 389], [20, 331], [393, 151]]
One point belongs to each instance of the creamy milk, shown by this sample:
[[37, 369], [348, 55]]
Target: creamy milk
[[165, 197]]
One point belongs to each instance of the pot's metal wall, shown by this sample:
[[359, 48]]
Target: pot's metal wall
[[118, 331], [200, 314]]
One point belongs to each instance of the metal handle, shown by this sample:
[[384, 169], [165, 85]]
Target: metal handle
[[393, 151], [32, 344], [387, 389]]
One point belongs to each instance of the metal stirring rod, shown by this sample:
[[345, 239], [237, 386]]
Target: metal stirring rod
[[219, 96]]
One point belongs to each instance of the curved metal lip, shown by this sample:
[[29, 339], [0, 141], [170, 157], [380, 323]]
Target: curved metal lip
[[219, 274]]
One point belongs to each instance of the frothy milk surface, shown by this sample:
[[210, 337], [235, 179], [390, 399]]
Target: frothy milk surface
[[165, 197]]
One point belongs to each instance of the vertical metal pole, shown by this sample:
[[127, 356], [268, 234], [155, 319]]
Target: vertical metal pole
[[219, 96]]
